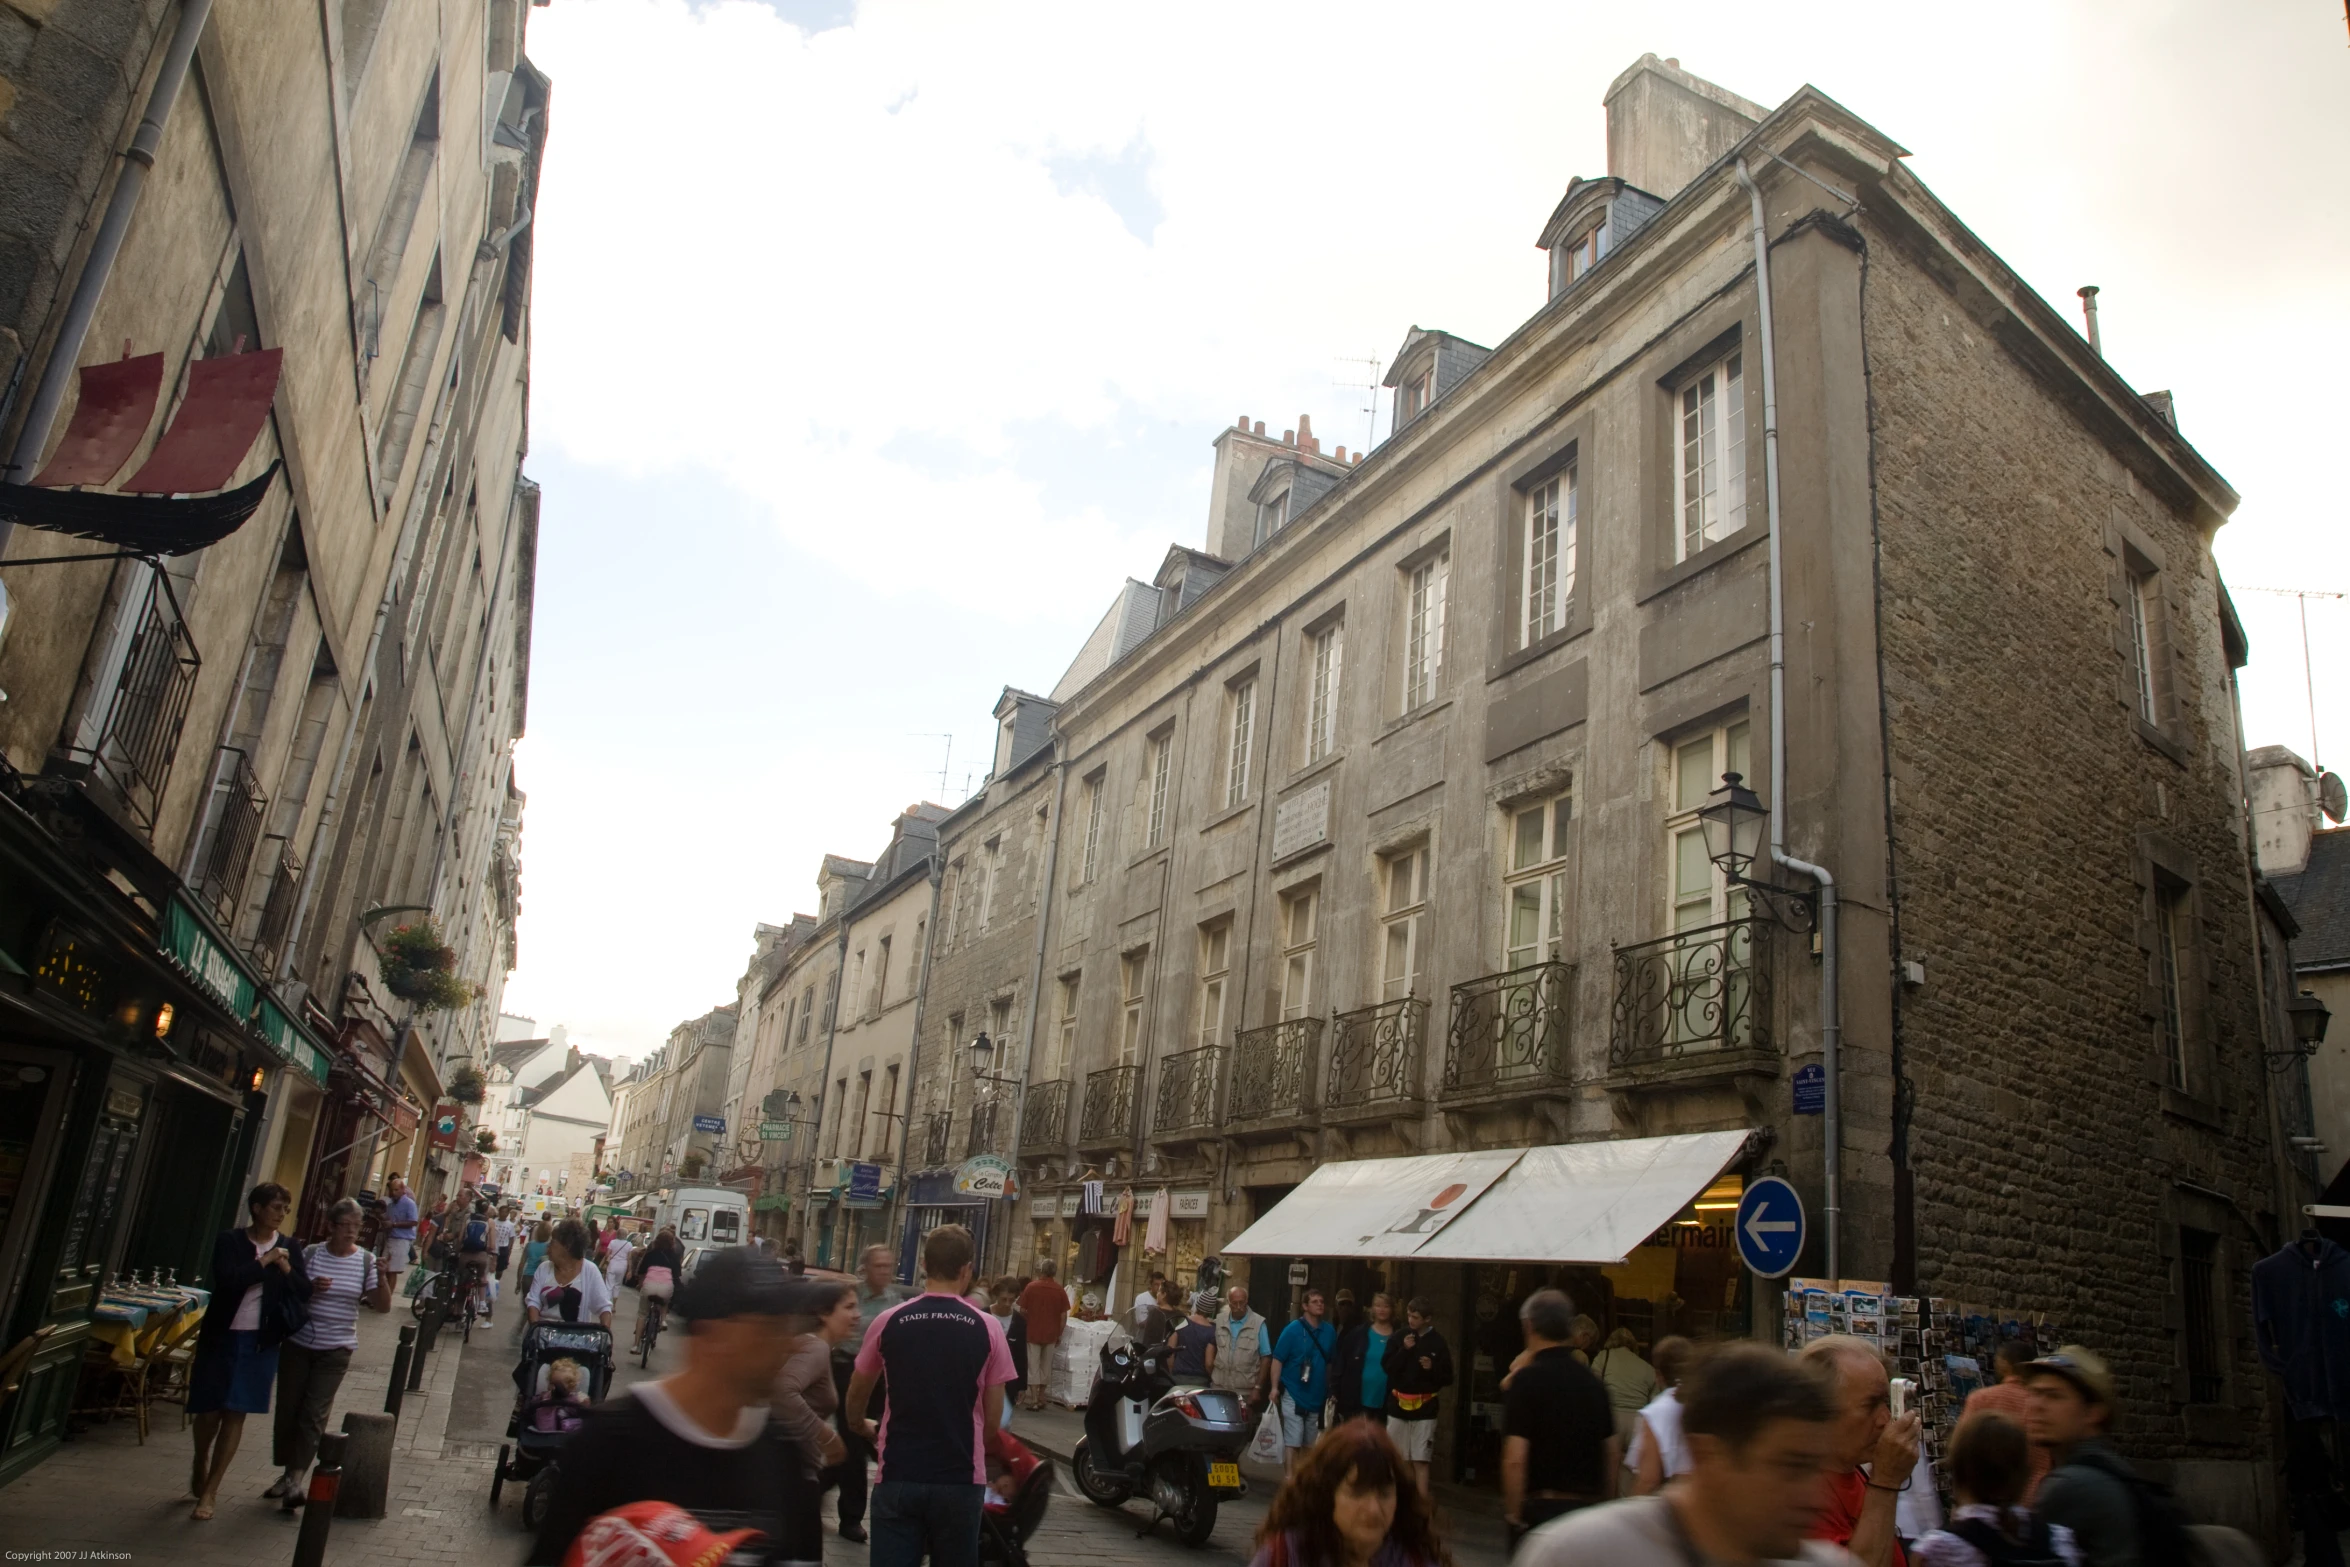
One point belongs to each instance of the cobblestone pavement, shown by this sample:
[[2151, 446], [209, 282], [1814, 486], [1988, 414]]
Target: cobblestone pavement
[[105, 1496]]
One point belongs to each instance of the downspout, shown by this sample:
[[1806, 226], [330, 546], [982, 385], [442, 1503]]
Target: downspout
[[840, 969], [66, 352], [1831, 1008], [897, 1203], [1044, 913]]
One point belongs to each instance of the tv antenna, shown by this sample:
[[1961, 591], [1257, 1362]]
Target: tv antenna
[[1369, 387], [2308, 678], [944, 762]]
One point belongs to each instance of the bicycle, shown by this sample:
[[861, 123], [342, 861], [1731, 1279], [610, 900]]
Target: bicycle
[[472, 1298], [652, 1311]]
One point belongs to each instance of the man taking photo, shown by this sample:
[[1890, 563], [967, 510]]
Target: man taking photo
[[1861, 1502]]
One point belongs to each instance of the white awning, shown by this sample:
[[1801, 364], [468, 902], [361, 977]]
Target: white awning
[[1568, 1202]]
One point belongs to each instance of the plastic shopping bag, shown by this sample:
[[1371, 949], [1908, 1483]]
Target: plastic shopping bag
[[1265, 1446]]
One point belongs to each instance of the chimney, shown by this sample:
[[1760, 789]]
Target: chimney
[[1243, 425], [2088, 293], [1289, 437], [1260, 427], [1305, 433], [1340, 454], [1665, 126]]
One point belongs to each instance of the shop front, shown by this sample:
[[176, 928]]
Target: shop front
[[1636, 1231], [931, 1201], [139, 1058]]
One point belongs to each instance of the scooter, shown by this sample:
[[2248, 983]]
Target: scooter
[[1179, 1450]]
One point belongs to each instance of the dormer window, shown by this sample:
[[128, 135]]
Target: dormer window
[[1272, 516], [1570, 261], [1414, 394]]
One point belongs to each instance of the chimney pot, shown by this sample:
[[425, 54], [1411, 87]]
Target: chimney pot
[[1289, 437], [1260, 427], [1244, 424], [1341, 454], [1305, 427], [1675, 64]]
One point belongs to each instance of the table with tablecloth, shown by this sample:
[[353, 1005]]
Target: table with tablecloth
[[121, 1315]]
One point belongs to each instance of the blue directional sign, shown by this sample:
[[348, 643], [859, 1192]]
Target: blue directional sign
[[1770, 1227]]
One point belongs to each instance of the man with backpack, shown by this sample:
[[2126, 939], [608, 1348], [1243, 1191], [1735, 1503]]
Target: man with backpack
[[476, 1244], [2118, 1518]]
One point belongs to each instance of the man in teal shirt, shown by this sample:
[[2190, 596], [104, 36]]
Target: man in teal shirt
[[1301, 1366]]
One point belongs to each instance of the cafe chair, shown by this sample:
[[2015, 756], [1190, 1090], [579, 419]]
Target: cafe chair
[[18, 1356], [131, 1377], [175, 1355]]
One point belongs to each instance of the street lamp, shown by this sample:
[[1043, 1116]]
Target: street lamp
[[982, 1051], [2309, 1016], [1733, 820]]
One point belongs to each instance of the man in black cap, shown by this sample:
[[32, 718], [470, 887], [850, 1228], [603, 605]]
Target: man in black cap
[[701, 1437]]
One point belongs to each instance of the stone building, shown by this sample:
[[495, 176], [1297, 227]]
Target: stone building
[[230, 765], [688, 1136], [1373, 825], [2308, 863], [758, 1036]]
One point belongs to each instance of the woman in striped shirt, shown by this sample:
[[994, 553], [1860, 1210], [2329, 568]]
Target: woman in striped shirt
[[311, 1364]]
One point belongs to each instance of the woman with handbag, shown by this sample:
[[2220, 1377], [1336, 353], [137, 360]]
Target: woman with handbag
[[235, 1368]]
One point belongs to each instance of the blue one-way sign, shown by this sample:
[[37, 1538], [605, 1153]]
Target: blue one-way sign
[[1770, 1227]]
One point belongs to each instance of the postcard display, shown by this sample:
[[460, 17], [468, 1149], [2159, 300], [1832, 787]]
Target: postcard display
[[1943, 1345]]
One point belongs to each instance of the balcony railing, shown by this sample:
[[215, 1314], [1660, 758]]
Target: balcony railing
[[277, 912], [1109, 1106], [150, 704], [1375, 1055], [234, 812], [1273, 1070], [1187, 1090], [1691, 992], [1044, 1118], [991, 1126], [1510, 1031], [938, 1132]]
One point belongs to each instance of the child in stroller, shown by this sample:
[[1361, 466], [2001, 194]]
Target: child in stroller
[[1019, 1484], [565, 1366], [557, 1409]]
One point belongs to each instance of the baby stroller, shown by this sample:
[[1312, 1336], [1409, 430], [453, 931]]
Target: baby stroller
[[1019, 1484], [541, 1424]]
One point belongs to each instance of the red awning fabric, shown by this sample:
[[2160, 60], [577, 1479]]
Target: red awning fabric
[[227, 399], [110, 417]]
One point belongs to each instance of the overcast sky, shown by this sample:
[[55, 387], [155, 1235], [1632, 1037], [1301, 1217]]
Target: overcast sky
[[876, 343]]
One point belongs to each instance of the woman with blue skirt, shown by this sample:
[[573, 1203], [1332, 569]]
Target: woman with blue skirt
[[256, 1272]]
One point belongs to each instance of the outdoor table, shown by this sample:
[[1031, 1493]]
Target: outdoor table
[[121, 1316]]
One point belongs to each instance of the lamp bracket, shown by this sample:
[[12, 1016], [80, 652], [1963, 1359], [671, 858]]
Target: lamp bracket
[[1793, 907]]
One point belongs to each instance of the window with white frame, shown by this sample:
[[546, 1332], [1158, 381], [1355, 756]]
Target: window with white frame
[[2144, 614], [1133, 994], [952, 896], [881, 977], [991, 864], [1710, 456], [1403, 910], [1215, 968], [1697, 893], [999, 1029], [1322, 694], [1536, 885], [1241, 705], [2170, 944], [1161, 762], [1423, 632], [1093, 826], [1413, 396], [1272, 516], [1065, 1029], [1546, 555], [1300, 932]]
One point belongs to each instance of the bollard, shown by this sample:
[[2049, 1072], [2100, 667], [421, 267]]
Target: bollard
[[366, 1480], [400, 1359], [318, 1512]]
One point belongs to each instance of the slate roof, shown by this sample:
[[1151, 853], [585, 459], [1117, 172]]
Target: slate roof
[[2320, 900]]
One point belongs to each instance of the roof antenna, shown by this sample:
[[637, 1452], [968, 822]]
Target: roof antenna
[[2088, 293]]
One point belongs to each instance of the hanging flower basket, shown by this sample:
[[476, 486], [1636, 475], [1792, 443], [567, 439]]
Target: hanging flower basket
[[419, 968], [487, 1142], [467, 1087]]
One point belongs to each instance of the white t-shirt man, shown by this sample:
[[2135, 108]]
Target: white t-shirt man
[[1144, 1304]]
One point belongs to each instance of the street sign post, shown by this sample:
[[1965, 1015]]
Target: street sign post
[[1770, 1227]]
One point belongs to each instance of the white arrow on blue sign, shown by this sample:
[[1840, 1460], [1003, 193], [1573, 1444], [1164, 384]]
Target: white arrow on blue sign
[[1770, 1227]]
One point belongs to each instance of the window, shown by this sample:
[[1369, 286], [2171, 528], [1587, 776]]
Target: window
[[1093, 827], [1547, 556], [857, 984], [1535, 887], [1322, 700], [1243, 704], [1712, 457], [1272, 516], [807, 1011], [1298, 933], [1162, 750], [999, 1029], [952, 897], [1413, 396], [831, 998], [840, 1100], [1403, 906], [1133, 978], [2143, 614], [864, 1102], [1215, 964], [914, 959], [1065, 1034], [2199, 1313], [990, 865], [1423, 642], [886, 1138], [1698, 894], [881, 978], [2170, 938]]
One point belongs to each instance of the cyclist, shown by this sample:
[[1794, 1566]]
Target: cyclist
[[475, 1245], [664, 1259]]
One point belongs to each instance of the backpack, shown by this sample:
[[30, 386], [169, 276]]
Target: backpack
[[2037, 1548], [477, 1235], [2163, 1540]]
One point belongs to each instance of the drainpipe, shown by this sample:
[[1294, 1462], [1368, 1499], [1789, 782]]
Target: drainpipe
[[1831, 1005], [897, 1202], [840, 972], [1044, 916], [66, 352]]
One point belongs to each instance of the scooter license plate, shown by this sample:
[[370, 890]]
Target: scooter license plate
[[1224, 1477]]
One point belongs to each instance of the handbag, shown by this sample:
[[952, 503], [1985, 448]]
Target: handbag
[[283, 1314]]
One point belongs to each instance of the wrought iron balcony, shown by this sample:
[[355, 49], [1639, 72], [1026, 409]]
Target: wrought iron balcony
[[1375, 1058], [1273, 1071], [1693, 993], [150, 704], [1510, 1032], [938, 1134], [277, 912], [1108, 1118], [233, 817], [1044, 1118], [1187, 1091], [991, 1126]]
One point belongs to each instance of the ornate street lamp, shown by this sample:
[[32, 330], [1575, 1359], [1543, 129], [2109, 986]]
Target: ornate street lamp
[[2309, 1016], [1733, 820], [982, 1052]]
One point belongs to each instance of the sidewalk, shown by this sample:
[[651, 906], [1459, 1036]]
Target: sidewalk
[[106, 1495]]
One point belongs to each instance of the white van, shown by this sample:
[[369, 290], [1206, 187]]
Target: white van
[[705, 1216]]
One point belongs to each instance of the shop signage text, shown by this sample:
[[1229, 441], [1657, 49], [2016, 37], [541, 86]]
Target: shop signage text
[[1302, 820], [1811, 1089], [983, 1175], [1190, 1205], [775, 1131], [710, 1123], [864, 1185]]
